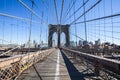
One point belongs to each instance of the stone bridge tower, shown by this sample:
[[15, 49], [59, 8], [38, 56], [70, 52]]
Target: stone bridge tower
[[58, 29]]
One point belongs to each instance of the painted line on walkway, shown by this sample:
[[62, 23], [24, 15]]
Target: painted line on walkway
[[57, 67]]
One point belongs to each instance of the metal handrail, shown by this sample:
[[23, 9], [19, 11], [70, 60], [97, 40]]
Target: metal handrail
[[109, 64], [11, 70]]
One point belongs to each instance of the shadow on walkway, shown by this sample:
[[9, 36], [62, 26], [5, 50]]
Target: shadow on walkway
[[37, 72], [73, 72]]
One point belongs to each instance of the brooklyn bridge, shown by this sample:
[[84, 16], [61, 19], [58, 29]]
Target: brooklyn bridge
[[59, 40]]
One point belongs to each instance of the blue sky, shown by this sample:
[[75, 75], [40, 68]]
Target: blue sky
[[17, 31]]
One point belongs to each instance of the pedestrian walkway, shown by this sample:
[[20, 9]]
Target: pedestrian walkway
[[52, 68]]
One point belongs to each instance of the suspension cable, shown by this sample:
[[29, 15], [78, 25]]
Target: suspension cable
[[105, 17], [41, 29], [3, 29], [33, 12], [95, 23], [56, 10], [30, 25], [37, 6], [70, 1], [77, 36], [76, 10], [86, 12], [85, 32], [61, 10], [22, 32], [104, 23], [85, 22], [4, 23], [17, 32], [45, 4], [11, 33], [112, 21], [16, 17], [75, 26], [56, 14], [69, 14], [99, 20], [46, 35], [61, 14], [70, 9]]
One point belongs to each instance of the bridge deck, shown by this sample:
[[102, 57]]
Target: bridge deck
[[57, 66], [52, 68]]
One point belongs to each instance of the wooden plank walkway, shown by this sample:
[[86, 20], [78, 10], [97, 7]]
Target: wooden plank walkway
[[52, 68], [58, 66]]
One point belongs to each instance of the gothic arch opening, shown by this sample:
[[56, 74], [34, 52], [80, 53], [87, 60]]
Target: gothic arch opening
[[63, 39], [59, 29], [54, 39]]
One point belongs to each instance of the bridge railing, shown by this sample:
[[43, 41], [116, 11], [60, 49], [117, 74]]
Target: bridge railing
[[12, 67], [99, 63]]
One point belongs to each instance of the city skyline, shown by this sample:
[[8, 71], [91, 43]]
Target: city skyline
[[14, 30]]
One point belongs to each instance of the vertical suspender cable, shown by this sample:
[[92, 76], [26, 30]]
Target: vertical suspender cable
[[32, 11], [11, 33], [30, 25], [98, 1], [17, 33], [45, 4], [85, 30], [56, 10], [70, 12], [70, 1], [104, 22], [94, 25], [78, 9], [61, 10], [46, 35], [41, 30], [99, 20], [75, 26], [30, 29], [70, 8], [4, 22], [46, 30], [112, 22], [22, 32], [25, 31], [85, 22], [3, 30]]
